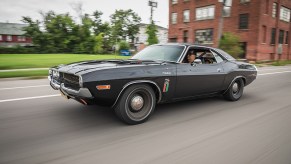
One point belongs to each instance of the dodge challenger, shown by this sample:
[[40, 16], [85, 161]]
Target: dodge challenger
[[160, 73]]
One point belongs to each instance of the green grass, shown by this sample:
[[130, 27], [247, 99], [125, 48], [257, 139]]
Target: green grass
[[22, 61], [34, 74], [281, 63]]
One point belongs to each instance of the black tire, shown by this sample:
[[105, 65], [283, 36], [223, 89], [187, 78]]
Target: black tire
[[235, 91], [136, 104]]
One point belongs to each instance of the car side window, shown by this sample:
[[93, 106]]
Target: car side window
[[217, 57]]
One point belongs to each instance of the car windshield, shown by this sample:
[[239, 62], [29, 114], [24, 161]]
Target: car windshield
[[160, 52]]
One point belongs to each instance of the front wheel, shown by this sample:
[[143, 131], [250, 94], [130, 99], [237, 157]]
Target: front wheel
[[235, 90], [136, 104]]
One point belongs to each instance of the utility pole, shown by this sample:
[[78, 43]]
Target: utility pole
[[220, 25], [152, 4]]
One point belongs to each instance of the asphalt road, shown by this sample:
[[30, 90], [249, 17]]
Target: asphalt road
[[39, 126]]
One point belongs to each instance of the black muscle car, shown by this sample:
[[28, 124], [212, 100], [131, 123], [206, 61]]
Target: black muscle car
[[157, 74]]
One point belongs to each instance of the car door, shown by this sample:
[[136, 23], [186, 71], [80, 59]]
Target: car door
[[198, 79]]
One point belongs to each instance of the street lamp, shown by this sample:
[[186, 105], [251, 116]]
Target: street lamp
[[152, 4]]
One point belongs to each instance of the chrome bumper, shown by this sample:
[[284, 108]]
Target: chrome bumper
[[82, 92]]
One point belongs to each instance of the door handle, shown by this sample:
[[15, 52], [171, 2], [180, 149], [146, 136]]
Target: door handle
[[218, 69]]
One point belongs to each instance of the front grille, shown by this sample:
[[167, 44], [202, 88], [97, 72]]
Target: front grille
[[70, 79]]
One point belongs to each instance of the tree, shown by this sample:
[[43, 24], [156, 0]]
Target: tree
[[125, 24], [230, 43], [152, 36]]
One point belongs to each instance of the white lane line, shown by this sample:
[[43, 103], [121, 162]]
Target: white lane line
[[35, 86], [262, 74], [29, 98]]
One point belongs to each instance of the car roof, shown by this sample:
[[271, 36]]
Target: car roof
[[186, 44]]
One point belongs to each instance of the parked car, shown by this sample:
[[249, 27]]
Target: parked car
[[157, 74]]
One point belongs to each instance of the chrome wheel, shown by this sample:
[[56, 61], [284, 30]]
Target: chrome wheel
[[235, 88], [137, 103]]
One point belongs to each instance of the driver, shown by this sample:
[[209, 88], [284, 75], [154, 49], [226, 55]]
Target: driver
[[191, 56]]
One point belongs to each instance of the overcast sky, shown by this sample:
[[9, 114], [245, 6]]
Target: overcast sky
[[13, 10]]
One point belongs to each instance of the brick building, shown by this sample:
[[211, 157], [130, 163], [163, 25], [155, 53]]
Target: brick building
[[262, 25], [12, 34]]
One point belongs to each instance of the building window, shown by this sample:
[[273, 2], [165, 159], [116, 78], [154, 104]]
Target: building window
[[243, 21], [0, 37], [9, 38], [174, 18], [284, 14], [185, 36], [174, 1], [21, 38], [274, 10], [173, 40], [281, 37], [203, 13], [204, 36], [186, 15], [264, 34], [227, 8], [287, 38], [273, 36], [244, 1]]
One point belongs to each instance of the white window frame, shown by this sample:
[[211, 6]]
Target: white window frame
[[284, 14], [186, 15], [174, 17], [204, 13], [174, 2], [274, 9], [9, 38], [21, 38], [244, 1]]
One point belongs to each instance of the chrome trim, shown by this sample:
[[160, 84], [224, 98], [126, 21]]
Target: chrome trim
[[82, 92], [237, 77], [54, 85], [182, 54], [137, 82]]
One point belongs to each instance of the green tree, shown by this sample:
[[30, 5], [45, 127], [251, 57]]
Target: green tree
[[125, 24], [151, 32], [230, 43], [98, 46], [123, 45]]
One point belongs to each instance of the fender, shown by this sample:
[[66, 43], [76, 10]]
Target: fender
[[138, 82]]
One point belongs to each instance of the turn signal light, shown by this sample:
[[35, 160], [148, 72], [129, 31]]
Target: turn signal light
[[103, 87]]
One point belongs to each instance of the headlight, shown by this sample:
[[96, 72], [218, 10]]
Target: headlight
[[80, 81], [50, 72], [56, 74]]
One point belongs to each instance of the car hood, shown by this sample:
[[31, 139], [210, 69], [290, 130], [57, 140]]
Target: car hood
[[89, 66]]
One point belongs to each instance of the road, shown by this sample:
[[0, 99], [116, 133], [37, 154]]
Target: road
[[39, 126]]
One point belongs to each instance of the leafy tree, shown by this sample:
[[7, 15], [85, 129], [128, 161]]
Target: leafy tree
[[125, 24], [123, 45], [98, 46], [230, 44], [151, 32]]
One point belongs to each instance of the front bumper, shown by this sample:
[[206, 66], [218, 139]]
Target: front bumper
[[72, 93]]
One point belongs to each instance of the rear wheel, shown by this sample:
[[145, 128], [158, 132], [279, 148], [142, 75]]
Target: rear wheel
[[235, 90], [136, 104]]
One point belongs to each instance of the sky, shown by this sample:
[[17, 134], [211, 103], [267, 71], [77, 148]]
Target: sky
[[12, 10]]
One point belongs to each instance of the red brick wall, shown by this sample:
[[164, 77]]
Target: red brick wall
[[260, 14]]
